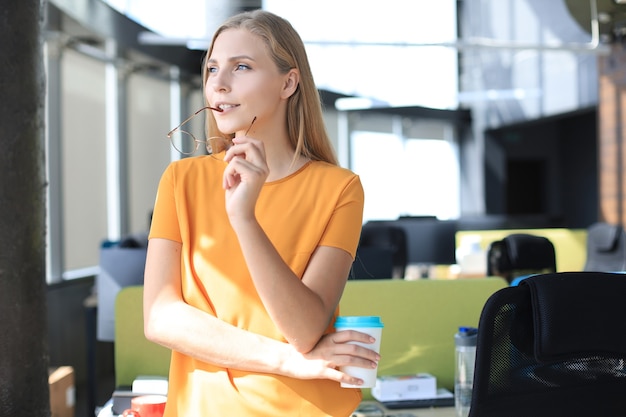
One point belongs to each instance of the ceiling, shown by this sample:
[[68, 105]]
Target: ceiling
[[88, 23], [74, 16]]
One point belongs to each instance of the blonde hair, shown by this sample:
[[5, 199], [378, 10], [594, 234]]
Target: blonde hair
[[305, 124]]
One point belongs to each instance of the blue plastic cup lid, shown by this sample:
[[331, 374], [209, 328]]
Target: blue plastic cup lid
[[358, 321]]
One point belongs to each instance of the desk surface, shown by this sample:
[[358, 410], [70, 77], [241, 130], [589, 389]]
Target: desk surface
[[375, 409], [369, 409]]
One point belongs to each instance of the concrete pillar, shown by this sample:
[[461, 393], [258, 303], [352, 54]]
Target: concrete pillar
[[23, 328]]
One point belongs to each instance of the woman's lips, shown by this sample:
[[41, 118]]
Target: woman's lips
[[225, 106]]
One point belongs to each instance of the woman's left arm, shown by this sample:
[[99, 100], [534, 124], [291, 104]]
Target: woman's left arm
[[301, 308]]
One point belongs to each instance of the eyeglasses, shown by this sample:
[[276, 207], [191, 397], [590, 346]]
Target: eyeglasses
[[187, 144]]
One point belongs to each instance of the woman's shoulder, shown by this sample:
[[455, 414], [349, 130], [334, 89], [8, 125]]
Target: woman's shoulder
[[326, 176], [336, 171], [195, 163]]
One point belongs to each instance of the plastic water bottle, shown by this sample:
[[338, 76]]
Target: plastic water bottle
[[465, 358]]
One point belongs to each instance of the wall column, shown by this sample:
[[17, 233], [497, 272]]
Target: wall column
[[23, 327]]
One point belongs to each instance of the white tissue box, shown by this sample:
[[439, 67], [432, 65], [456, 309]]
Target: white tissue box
[[148, 384], [405, 387]]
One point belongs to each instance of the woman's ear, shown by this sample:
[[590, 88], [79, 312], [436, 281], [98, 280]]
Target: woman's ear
[[292, 79]]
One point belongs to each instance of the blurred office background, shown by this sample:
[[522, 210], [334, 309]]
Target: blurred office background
[[448, 109], [474, 110]]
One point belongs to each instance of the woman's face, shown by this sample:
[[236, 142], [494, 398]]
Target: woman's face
[[243, 81]]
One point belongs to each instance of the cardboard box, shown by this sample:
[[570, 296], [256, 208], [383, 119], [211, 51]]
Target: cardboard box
[[62, 391], [405, 387]]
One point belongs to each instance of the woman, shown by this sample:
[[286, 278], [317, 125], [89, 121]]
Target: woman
[[250, 248]]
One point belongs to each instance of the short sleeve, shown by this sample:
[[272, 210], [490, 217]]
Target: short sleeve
[[165, 221], [344, 228]]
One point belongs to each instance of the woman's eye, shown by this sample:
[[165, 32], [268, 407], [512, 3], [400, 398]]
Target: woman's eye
[[242, 67], [211, 70]]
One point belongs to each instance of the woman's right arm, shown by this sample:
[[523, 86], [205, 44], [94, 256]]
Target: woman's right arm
[[171, 322]]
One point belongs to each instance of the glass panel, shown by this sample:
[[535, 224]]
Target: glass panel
[[391, 53], [395, 59], [419, 177], [84, 159], [148, 146]]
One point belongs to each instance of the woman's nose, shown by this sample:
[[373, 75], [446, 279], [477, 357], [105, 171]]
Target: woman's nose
[[219, 81]]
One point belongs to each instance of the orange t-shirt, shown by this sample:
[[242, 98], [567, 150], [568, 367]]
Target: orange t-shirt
[[319, 205]]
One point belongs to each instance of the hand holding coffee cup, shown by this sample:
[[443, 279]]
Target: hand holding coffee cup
[[365, 324], [146, 406]]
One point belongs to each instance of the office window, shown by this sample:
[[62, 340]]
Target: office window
[[550, 75], [410, 177], [84, 160], [400, 54], [148, 146]]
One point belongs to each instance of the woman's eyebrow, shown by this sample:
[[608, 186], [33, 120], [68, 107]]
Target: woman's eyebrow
[[234, 58]]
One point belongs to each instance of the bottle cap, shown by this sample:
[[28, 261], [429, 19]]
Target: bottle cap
[[466, 336]]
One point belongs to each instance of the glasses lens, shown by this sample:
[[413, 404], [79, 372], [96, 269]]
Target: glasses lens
[[184, 142]]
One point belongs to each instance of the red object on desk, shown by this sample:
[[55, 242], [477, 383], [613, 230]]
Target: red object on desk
[[146, 406]]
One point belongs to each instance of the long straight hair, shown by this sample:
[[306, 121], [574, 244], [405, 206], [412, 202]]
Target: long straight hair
[[305, 124]]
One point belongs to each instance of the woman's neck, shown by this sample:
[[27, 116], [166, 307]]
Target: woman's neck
[[282, 161]]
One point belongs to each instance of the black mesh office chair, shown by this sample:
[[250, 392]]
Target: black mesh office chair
[[372, 263], [385, 240], [606, 248], [520, 254], [553, 346]]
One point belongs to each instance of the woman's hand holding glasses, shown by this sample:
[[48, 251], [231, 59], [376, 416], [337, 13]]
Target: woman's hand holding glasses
[[245, 175], [247, 167]]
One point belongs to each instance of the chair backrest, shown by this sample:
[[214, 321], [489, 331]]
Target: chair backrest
[[606, 248], [134, 354], [553, 346], [388, 238], [520, 254], [372, 262]]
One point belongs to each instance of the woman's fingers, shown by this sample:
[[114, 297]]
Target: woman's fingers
[[250, 149], [246, 162], [348, 347], [345, 336]]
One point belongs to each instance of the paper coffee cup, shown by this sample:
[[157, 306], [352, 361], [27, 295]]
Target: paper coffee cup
[[364, 324]]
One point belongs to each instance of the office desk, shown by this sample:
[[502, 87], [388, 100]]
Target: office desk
[[375, 409], [367, 409]]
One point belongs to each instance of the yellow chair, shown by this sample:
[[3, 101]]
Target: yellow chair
[[134, 354], [420, 319]]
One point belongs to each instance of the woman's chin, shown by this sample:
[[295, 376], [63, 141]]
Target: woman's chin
[[228, 128]]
